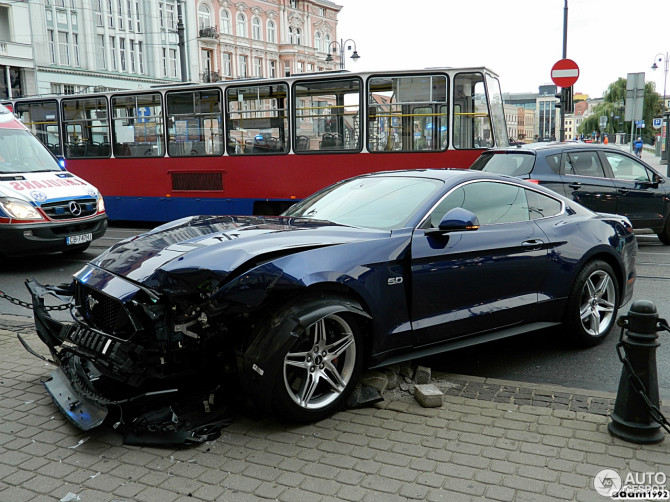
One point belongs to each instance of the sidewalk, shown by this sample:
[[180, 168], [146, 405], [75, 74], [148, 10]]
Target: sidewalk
[[489, 440]]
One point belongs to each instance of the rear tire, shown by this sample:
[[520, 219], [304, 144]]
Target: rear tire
[[593, 304], [319, 371]]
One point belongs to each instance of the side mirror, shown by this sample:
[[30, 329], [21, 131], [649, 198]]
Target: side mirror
[[456, 220]]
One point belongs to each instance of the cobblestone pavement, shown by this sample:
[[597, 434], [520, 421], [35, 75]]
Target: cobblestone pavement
[[490, 440]]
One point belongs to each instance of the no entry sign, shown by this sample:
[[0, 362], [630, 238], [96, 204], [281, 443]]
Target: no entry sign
[[565, 72]]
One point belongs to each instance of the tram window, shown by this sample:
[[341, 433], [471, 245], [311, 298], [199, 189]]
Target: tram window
[[472, 123], [195, 125], [327, 116], [407, 113], [137, 124], [85, 127], [42, 119], [257, 122]]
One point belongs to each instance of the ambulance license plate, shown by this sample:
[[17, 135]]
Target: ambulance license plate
[[78, 239]]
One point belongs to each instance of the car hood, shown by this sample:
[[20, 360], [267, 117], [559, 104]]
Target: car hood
[[220, 244]]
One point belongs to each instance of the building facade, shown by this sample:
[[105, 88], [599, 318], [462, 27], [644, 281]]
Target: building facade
[[264, 38], [75, 46]]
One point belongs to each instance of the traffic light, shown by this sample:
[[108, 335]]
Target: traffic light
[[565, 98]]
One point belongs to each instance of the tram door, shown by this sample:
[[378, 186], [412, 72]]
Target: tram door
[[472, 124]]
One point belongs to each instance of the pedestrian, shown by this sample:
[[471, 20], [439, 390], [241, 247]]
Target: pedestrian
[[606, 140], [637, 147]]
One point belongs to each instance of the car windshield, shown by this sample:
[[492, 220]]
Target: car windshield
[[380, 202], [21, 152], [511, 164]]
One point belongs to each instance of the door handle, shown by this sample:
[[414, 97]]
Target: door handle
[[623, 191], [532, 244], [575, 185]]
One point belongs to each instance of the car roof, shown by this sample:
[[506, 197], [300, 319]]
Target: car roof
[[555, 146], [446, 174]]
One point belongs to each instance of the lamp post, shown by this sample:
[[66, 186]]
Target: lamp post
[[664, 57], [342, 48]]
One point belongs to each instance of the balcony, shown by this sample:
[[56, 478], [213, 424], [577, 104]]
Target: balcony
[[210, 76], [209, 32]]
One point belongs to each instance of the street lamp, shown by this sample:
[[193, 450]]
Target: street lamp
[[342, 48], [664, 57]]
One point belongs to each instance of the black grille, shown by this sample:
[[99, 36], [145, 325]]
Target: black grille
[[68, 209], [92, 341], [104, 313]]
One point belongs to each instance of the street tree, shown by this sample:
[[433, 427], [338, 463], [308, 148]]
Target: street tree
[[613, 105]]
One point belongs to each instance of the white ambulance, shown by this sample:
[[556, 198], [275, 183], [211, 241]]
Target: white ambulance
[[43, 208]]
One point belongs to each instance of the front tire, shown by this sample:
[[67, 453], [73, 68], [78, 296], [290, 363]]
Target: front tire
[[593, 304], [321, 367]]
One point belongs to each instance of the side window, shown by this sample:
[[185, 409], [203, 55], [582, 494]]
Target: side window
[[407, 113], [42, 119], [86, 131], [491, 201], [584, 164], [542, 206], [625, 168], [327, 116], [195, 125], [554, 162], [137, 124], [256, 119]]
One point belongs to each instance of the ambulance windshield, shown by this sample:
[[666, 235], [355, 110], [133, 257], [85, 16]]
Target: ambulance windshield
[[21, 152]]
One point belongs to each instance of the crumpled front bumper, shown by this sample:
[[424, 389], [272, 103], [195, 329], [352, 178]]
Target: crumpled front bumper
[[168, 416]]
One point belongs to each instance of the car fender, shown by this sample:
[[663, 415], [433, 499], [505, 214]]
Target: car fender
[[259, 364]]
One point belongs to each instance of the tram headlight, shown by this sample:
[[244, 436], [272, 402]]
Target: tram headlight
[[20, 210]]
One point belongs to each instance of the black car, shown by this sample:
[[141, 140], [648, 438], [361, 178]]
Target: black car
[[603, 178]]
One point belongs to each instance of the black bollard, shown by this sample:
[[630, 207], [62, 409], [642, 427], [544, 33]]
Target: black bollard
[[632, 419]]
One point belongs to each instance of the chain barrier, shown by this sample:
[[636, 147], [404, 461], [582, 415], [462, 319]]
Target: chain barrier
[[24, 304], [655, 413]]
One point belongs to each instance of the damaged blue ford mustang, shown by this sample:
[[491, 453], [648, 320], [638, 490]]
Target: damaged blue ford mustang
[[290, 309]]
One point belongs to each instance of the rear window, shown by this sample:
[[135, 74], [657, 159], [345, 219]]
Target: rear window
[[511, 164]]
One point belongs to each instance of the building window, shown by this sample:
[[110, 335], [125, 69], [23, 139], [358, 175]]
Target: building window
[[298, 36], [272, 32], [242, 67], [137, 17], [112, 50], [256, 29], [317, 42], [165, 61], [100, 53], [63, 48], [129, 12], [171, 24], [75, 47], [301, 67], [140, 57], [161, 15], [204, 17], [132, 55], [272, 65], [226, 66], [173, 62], [52, 47], [119, 13], [225, 22], [110, 14], [258, 67], [241, 27], [122, 52], [321, 11], [69, 89]]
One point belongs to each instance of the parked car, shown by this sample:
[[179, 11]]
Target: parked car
[[370, 271], [43, 207], [602, 178]]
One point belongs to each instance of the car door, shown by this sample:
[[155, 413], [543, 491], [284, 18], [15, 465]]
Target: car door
[[586, 182], [472, 281], [640, 196]]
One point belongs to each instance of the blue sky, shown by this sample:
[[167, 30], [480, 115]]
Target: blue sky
[[606, 38]]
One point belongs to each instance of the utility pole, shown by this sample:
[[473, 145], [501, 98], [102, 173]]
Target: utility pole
[[182, 43], [565, 55]]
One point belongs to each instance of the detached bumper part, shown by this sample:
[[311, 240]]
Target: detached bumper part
[[83, 413]]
